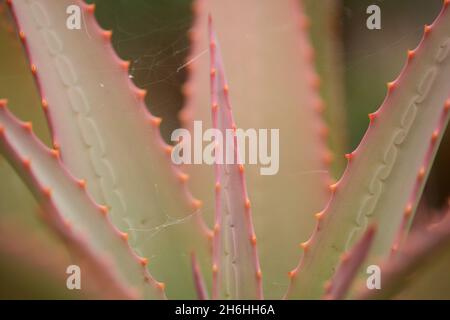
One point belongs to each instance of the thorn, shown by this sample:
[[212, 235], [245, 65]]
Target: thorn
[[3, 103], [241, 168], [193, 36], [214, 106], [22, 36], [124, 236], [344, 257], [125, 65], [394, 248], [328, 157], [197, 204], [435, 136], [315, 81], [217, 186], [141, 93], [33, 69], [168, 149], [408, 210], [161, 285], [253, 240], [447, 104], [143, 261], [427, 29], [216, 228], [226, 89], [215, 269], [372, 116], [333, 187], [156, 121], [212, 45], [292, 273], [305, 23], [391, 85], [247, 203], [26, 163], [56, 145], [446, 3], [411, 54], [259, 274], [183, 177], [54, 153], [47, 192], [27, 126], [2, 131], [210, 235], [82, 183], [349, 156], [107, 35], [305, 245], [104, 210], [44, 104], [90, 8], [319, 215], [213, 72], [421, 174], [186, 89], [67, 224]]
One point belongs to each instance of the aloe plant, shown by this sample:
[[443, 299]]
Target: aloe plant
[[107, 188]]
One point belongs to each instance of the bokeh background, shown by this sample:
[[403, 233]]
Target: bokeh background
[[153, 35]]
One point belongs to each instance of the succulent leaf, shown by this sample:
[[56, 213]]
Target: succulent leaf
[[71, 212], [99, 115], [26, 102], [349, 265], [417, 269], [200, 285], [377, 183], [236, 270], [272, 86]]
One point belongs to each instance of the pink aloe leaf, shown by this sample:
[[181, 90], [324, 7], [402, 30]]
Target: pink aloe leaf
[[418, 267], [97, 113], [72, 213], [273, 86], [236, 270], [199, 280], [377, 185], [349, 265], [16, 199]]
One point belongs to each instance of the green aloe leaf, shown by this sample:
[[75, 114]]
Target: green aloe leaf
[[72, 213], [107, 137], [386, 173]]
